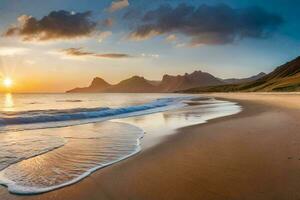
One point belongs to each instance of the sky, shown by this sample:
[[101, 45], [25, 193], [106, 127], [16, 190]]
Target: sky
[[56, 45]]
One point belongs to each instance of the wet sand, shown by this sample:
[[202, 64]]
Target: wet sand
[[252, 155]]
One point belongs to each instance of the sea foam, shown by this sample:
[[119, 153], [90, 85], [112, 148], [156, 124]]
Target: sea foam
[[39, 161], [88, 148], [33, 119]]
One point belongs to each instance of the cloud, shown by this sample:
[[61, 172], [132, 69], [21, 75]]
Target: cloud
[[30, 62], [104, 35], [204, 24], [113, 55], [12, 51], [118, 5], [76, 52], [150, 55], [171, 38], [79, 52], [57, 25], [109, 22]]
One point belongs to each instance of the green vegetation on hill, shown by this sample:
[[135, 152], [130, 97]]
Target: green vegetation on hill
[[285, 78]]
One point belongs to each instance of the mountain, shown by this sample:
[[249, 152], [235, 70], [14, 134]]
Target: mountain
[[169, 83], [97, 85], [285, 78], [133, 84], [155, 83], [140, 84], [244, 80], [186, 81]]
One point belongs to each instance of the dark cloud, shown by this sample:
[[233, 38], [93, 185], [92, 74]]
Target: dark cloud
[[57, 25], [219, 24], [113, 55], [80, 52], [76, 52]]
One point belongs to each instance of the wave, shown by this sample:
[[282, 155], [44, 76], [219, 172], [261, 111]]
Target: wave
[[78, 151], [82, 155], [52, 115], [18, 147]]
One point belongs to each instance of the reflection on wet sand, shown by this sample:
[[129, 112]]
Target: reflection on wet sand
[[77, 151], [159, 125]]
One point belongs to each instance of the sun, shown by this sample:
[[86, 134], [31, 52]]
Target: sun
[[7, 82]]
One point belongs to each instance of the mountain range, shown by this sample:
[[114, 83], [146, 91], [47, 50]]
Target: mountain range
[[168, 83], [285, 78]]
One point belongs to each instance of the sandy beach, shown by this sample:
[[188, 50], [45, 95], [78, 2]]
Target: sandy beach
[[251, 155]]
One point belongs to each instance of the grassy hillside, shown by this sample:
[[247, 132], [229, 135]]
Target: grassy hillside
[[285, 78]]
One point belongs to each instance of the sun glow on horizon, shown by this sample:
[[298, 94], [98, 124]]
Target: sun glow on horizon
[[7, 82]]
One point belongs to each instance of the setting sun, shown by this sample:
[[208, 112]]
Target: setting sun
[[7, 82]]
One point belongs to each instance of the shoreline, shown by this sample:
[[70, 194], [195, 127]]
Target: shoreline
[[230, 157]]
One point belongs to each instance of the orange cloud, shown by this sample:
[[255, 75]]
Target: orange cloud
[[118, 5], [80, 52]]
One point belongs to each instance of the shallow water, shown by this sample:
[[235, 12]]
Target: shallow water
[[87, 148], [41, 155], [158, 126]]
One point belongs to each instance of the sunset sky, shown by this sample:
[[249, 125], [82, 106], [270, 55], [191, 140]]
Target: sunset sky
[[56, 45]]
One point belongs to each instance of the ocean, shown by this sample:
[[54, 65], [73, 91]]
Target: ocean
[[48, 141]]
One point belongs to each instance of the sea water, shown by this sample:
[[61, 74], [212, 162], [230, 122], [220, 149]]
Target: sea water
[[48, 141]]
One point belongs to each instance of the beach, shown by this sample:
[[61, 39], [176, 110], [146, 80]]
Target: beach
[[254, 154]]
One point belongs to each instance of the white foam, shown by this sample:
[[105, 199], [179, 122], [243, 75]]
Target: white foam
[[60, 118], [224, 109], [13, 187], [16, 188]]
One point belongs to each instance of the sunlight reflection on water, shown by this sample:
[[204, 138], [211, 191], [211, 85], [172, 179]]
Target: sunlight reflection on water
[[8, 102]]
